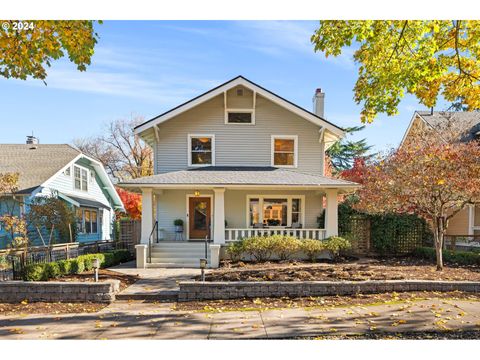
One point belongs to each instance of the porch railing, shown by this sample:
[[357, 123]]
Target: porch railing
[[462, 241], [238, 234]]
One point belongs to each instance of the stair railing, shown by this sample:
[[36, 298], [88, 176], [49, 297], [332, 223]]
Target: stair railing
[[153, 236]]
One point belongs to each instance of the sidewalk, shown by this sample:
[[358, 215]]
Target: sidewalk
[[154, 283], [150, 320]]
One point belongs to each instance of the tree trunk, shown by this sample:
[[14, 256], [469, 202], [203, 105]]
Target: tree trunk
[[438, 235]]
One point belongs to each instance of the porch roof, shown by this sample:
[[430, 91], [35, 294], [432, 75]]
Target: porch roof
[[229, 176]]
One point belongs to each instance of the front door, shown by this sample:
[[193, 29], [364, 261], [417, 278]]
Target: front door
[[199, 210]]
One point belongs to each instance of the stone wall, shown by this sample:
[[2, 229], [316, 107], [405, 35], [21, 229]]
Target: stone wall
[[58, 291], [192, 290]]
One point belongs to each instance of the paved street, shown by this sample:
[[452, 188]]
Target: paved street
[[143, 320]]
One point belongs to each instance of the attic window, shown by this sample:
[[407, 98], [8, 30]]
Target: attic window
[[67, 171], [239, 117], [240, 92]]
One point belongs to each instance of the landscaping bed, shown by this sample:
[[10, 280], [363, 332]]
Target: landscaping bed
[[371, 269], [103, 274], [316, 302], [25, 308]]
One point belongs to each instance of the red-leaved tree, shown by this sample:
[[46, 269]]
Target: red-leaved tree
[[357, 172], [132, 203], [428, 176]]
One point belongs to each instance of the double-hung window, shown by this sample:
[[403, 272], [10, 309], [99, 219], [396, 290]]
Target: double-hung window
[[201, 150], [87, 221], [284, 151], [80, 178]]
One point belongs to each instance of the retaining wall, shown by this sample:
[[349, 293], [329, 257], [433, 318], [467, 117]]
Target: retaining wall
[[58, 291], [195, 290]]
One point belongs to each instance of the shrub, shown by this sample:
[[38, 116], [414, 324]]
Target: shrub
[[259, 247], [449, 256], [285, 246], [336, 245], [178, 222], [34, 272], [235, 250], [51, 271], [65, 266], [312, 248], [78, 265]]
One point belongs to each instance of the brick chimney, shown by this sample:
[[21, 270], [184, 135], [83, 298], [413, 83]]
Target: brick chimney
[[319, 103]]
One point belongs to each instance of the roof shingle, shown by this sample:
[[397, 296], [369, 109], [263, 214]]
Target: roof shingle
[[35, 163]]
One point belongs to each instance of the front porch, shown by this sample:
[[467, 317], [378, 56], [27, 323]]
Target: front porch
[[225, 204], [222, 215]]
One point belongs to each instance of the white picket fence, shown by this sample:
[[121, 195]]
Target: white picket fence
[[238, 234]]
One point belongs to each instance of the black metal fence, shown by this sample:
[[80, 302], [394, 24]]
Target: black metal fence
[[13, 261]]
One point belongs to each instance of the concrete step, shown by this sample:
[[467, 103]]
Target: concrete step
[[188, 265], [165, 295], [178, 256], [190, 260]]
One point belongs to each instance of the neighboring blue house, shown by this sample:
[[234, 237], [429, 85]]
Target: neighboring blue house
[[63, 170]]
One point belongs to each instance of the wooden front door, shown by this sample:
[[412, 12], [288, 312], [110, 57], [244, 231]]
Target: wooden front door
[[199, 211]]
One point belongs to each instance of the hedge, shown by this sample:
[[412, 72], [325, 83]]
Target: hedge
[[284, 247], [56, 269], [449, 256]]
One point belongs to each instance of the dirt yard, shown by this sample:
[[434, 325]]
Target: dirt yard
[[360, 270], [103, 274]]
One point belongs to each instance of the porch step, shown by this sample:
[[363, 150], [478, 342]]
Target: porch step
[[179, 254]]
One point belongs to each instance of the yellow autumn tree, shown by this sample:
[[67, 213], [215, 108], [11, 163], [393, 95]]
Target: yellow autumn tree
[[426, 58], [26, 51]]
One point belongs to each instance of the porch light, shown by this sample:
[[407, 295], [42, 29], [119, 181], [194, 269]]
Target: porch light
[[196, 193], [203, 265], [96, 266]]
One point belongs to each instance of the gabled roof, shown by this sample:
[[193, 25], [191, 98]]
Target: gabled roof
[[35, 163], [38, 164], [240, 80], [467, 120], [238, 176]]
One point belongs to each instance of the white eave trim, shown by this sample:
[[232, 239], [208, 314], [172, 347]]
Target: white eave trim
[[258, 90]]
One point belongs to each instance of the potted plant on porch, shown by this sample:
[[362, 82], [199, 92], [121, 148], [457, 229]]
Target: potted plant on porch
[[178, 225]]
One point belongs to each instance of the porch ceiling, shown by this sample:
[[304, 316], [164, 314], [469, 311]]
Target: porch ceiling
[[238, 177]]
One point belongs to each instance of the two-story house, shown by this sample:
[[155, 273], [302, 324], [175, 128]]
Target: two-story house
[[59, 169], [233, 162]]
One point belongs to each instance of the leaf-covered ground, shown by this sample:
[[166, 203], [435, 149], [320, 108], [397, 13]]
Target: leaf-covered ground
[[371, 269], [324, 302], [26, 308], [103, 274]]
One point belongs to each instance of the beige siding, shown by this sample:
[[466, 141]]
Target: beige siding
[[241, 145], [458, 225], [172, 204]]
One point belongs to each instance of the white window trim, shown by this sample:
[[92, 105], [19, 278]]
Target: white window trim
[[73, 177], [249, 111], [190, 137], [295, 149], [82, 209], [471, 219], [186, 227], [289, 208]]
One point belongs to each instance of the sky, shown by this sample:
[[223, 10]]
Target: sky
[[143, 68]]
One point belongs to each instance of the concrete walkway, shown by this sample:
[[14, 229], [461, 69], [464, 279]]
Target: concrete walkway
[[154, 284], [142, 320]]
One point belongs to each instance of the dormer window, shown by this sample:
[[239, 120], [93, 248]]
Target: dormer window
[[201, 150]]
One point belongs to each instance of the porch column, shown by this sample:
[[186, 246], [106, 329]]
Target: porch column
[[147, 214], [331, 212], [219, 216]]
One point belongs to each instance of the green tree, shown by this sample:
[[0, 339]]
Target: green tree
[[343, 153], [426, 58], [25, 52]]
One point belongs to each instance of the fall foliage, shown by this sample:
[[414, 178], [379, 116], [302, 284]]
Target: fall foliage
[[426, 58], [428, 176], [26, 52], [132, 203]]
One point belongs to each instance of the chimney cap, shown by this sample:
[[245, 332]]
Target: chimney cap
[[318, 91]]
